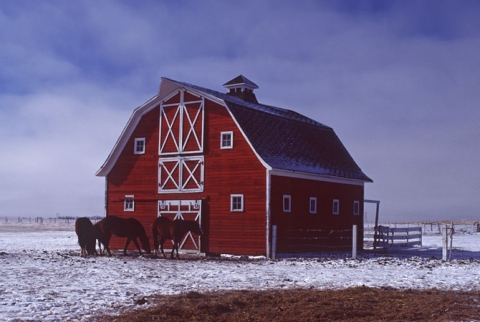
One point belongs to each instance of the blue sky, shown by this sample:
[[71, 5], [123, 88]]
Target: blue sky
[[397, 80]]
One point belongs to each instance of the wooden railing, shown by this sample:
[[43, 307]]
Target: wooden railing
[[408, 236]]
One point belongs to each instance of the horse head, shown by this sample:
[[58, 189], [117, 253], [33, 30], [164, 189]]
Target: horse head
[[195, 228], [146, 244]]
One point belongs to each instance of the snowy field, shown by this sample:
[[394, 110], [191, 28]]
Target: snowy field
[[44, 279]]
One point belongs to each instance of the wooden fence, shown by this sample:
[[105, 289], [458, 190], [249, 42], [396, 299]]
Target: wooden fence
[[407, 236]]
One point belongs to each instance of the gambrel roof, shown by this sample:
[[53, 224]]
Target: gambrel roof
[[287, 140], [282, 139]]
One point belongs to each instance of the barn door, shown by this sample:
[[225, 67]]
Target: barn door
[[183, 210], [181, 124]]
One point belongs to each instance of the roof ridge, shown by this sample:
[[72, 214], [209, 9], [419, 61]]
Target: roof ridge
[[270, 109]]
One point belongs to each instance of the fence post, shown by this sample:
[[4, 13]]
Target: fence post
[[444, 243], [354, 242], [274, 241]]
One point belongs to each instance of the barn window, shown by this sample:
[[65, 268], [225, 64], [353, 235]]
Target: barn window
[[139, 146], [226, 140], [287, 203], [129, 203], [313, 205], [356, 207], [236, 203], [336, 207]]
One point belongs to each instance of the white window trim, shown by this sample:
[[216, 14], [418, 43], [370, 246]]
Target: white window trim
[[356, 208], [336, 207], [136, 145], [232, 197], [313, 211], [289, 208], [129, 200], [231, 140]]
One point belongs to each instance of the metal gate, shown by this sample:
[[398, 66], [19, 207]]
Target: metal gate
[[183, 210]]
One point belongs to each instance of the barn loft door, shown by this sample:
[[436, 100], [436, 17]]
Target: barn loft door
[[181, 124], [180, 174], [183, 210]]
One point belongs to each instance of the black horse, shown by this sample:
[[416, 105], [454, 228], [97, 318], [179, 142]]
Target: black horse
[[85, 234], [163, 229], [129, 228]]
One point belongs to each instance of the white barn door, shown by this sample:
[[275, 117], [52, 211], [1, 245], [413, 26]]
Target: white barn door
[[183, 210]]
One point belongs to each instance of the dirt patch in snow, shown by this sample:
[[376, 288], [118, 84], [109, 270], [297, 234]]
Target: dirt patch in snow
[[352, 304]]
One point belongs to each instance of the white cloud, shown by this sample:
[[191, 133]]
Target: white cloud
[[396, 82]]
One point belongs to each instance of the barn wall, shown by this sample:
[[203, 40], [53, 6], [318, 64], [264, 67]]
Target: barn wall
[[233, 171], [136, 174], [227, 171], [300, 217]]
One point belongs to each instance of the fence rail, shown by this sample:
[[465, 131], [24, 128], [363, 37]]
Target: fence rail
[[386, 236]]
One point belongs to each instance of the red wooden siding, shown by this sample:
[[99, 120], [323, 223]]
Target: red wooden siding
[[136, 174], [230, 171], [300, 217], [227, 171], [233, 171]]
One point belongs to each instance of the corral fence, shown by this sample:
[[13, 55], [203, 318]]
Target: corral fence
[[314, 240], [295, 240], [396, 236]]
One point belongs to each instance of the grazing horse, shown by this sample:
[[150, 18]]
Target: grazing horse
[[129, 228], [86, 238], [164, 229]]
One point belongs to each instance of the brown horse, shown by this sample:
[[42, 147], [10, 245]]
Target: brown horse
[[86, 238], [163, 229], [129, 228]]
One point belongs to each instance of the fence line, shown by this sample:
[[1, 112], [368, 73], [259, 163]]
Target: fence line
[[42, 220]]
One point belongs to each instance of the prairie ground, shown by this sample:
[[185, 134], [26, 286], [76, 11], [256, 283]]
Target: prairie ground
[[352, 304]]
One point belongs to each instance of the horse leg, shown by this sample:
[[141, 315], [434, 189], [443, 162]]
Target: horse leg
[[82, 251], [155, 241], [126, 245], [175, 247], [136, 244], [107, 243], [162, 241]]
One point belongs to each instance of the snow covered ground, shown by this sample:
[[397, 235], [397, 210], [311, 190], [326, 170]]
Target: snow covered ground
[[42, 277]]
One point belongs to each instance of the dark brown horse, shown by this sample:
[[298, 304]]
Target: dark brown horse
[[129, 228], [163, 229], [86, 238]]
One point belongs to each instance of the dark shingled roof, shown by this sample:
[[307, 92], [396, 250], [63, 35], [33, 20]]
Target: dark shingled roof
[[240, 80], [287, 140]]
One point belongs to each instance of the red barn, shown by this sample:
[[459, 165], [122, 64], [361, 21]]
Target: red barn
[[238, 167]]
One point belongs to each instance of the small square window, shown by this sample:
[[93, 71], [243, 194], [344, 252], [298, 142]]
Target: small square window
[[129, 203], [236, 203], [139, 146], [287, 203], [356, 207], [336, 207], [313, 205], [226, 140]]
